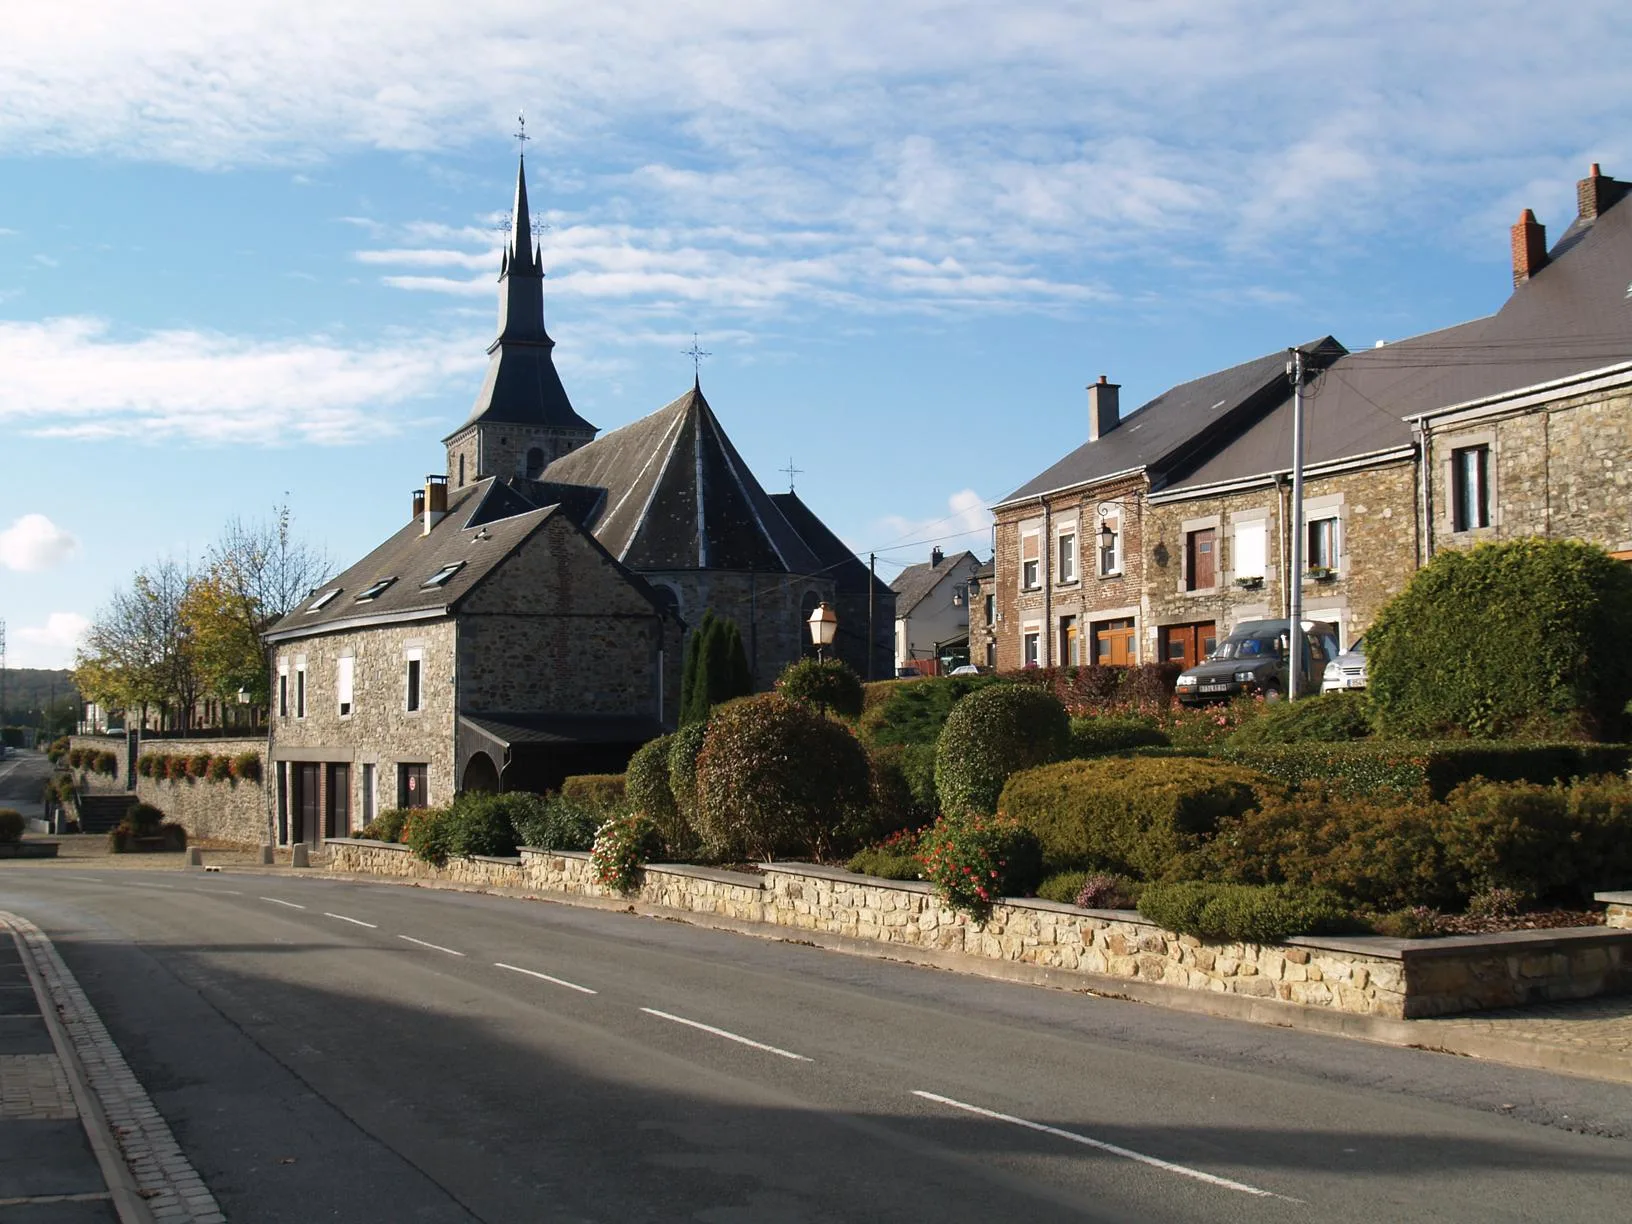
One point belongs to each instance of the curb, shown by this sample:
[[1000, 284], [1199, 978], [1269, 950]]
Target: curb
[[148, 1175]]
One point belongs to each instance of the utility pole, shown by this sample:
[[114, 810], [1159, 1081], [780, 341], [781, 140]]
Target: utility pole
[[1294, 671], [2, 671], [872, 581]]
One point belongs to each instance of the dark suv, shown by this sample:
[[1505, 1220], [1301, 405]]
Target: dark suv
[[1253, 660]]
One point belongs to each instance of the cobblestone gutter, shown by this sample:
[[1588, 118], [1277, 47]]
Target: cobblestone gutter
[[1373, 976]]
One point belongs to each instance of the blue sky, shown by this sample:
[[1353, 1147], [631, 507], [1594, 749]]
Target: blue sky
[[247, 252]]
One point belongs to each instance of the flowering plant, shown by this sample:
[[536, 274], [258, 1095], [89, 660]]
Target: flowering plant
[[622, 844], [973, 860]]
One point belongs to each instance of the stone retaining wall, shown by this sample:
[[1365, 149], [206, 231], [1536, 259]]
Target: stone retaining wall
[[1372, 975], [233, 810]]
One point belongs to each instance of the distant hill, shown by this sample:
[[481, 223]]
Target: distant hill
[[31, 688]]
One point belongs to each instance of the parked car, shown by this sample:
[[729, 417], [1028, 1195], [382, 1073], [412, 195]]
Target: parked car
[[1347, 671], [966, 669], [1253, 661]]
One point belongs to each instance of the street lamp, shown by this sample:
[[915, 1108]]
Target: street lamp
[[824, 622]]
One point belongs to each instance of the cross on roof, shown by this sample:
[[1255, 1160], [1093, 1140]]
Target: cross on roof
[[792, 472], [696, 354]]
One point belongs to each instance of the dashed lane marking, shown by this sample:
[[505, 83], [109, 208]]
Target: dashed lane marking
[[373, 926], [436, 947], [729, 1036], [279, 901], [1154, 1162], [545, 977]]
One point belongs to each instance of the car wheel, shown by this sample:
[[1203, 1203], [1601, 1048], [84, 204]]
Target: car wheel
[[1272, 692]]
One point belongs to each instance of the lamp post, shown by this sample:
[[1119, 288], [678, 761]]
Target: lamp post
[[824, 622]]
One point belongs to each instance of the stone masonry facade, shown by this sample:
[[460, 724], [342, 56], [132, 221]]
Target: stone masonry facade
[[235, 811], [1387, 978], [769, 610]]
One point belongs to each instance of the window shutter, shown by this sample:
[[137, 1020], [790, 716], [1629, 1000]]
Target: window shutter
[[1249, 550]]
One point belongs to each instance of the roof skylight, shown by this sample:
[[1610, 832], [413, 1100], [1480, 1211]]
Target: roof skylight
[[440, 578], [317, 604], [375, 591]]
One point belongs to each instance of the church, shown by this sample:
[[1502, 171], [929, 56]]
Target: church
[[529, 621]]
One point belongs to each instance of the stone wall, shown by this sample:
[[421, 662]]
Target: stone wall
[[234, 811], [1389, 978], [768, 610], [93, 783]]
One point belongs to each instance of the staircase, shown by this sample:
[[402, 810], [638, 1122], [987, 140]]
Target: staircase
[[99, 813]]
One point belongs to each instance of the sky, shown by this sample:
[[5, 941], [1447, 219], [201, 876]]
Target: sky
[[248, 252]]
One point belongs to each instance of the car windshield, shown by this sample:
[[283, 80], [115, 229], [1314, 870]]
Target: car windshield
[[1245, 648]]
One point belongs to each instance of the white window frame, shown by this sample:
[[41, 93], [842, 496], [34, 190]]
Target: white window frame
[[413, 695], [345, 678], [1335, 562], [1036, 581], [1111, 518], [300, 686], [1065, 539], [1256, 525], [1482, 488], [1031, 637]]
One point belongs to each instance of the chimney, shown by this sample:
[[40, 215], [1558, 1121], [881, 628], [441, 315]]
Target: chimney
[[936, 556], [1103, 410], [1596, 194], [433, 501], [1529, 247], [419, 503]]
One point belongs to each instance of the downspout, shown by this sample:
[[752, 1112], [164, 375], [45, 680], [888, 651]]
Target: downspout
[[1046, 559], [1280, 542], [1425, 502]]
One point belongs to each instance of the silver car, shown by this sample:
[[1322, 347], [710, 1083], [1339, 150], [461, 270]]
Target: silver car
[[1347, 671]]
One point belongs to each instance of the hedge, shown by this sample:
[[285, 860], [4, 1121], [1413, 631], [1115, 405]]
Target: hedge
[[991, 734], [1326, 719], [1432, 768], [600, 792], [1099, 688], [1242, 912], [646, 786], [829, 684], [914, 711], [1097, 735], [12, 825], [1145, 817]]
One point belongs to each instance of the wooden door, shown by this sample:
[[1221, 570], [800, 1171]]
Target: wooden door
[[308, 802], [337, 812], [1113, 643], [1203, 559], [411, 786], [1188, 645]]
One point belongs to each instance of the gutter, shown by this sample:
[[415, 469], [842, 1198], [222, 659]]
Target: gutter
[[357, 622], [1331, 468], [1066, 488], [1521, 398]]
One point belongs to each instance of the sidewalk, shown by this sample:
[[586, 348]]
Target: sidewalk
[[80, 1143]]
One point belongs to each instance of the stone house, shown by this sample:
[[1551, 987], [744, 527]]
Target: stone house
[[1074, 554], [932, 611], [983, 617]]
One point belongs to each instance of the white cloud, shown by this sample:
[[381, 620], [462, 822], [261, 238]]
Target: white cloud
[[34, 543], [968, 526], [49, 645], [70, 377]]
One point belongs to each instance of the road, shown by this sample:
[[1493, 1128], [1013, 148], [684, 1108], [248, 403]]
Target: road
[[22, 778], [327, 1050]]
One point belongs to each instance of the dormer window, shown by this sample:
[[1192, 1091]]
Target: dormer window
[[375, 591], [322, 600], [440, 578]]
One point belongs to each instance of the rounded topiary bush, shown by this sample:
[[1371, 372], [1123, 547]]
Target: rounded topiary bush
[[1326, 719], [647, 788], [990, 734], [777, 778], [143, 819], [1148, 817], [1095, 736], [1520, 638], [685, 747], [828, 684], [11, 825], [483, 823]]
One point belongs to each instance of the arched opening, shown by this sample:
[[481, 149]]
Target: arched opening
[[535, 463], [668, 597], [481, 774]]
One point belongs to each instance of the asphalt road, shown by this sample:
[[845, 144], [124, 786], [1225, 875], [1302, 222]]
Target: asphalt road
[[334, 1051], [22, 779]]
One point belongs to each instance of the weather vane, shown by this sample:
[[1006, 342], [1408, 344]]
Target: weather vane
[[521, 131], [696, 354], [792, 472]]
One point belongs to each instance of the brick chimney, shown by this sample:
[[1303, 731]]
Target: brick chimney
[[1103, 410], [1529, 247], [936, 556], [435, 502], [1597, 194]]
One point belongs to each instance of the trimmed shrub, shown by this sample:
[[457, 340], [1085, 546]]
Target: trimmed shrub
[[715, 668], [914, 711], [387, 826], [1097, 688], [622, 844], [1435, 769], [686, 747], [991, 734], [76, 757], [1601, 816], [1110, 892], [554, 822], [106, 763], [143, 819], [647, 788], [220, 769], [1377, 854], [246, 766], [895, 799], [602, 793], [1517, 836], [1243, 912], [1145, 817], [174, 835], [147, 764], [777, 778], [974, 859], [830, 685], [1097, 735], [1205, 727], [1062, 886], [198, 765], [58, 749], [480, 822], [428, 832], [1526, 637], [1327, 719], [11, 825], [894, 858]]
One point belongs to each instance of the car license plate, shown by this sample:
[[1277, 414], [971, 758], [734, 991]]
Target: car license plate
[[1213, 688], [1355, 682]]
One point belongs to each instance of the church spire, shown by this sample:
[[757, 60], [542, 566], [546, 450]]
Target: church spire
[[521, 221], [521, 274]]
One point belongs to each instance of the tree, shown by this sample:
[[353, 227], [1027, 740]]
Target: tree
[[227, 653], [715, 670], [137, 652]]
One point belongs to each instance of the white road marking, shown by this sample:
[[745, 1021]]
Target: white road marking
[[545, 977], [729, 1036], [290, 904], [89, 879], [423, 944], [1099, 1145], [166, 887], [219, 892], [373, 926]]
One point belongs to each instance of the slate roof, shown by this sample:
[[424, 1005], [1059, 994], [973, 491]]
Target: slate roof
[[564, 729], [913, 584], [1356, 407], [1181, 420], [850, 576], [679, 497]]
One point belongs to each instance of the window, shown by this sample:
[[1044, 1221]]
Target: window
[[535, 463], [461, 471], [412, 786], [342, 684], [1110, 543], [1069, 650], [1201, 559], [1029, 572], [317, 604], [413, 685], [1250, 549], [374, 591], [1470, 488], [991, 609], [440, 578], [368, 794], [283, 692], [300, 689], [1322, 551], [1067, 545], [1031, 648]]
